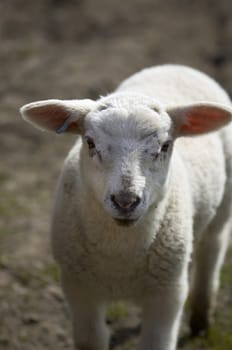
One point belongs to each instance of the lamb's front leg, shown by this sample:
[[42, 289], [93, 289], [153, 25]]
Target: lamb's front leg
[[90, 331], [161, 318]]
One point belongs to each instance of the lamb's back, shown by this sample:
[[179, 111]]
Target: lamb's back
[[174, 85]]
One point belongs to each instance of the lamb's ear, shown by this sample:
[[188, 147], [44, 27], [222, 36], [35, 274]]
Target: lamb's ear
[[199, 118], [58, 115]]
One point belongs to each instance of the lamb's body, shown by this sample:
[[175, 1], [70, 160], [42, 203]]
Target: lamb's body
[[86, 245], [148, 263]]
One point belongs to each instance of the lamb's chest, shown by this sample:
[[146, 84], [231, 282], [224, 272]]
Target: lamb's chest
[[123, 270]]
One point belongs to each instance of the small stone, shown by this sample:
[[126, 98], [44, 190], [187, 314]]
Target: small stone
[[61, 334], [55, 292]]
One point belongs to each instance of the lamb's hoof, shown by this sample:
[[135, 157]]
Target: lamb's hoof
[[199, 325]]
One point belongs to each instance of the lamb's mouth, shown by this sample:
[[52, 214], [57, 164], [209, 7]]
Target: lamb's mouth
[[125, 221]]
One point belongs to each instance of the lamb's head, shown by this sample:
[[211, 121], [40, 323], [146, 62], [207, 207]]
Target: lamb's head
[[127, 144]]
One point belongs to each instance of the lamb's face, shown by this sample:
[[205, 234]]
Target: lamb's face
[[127, 153]]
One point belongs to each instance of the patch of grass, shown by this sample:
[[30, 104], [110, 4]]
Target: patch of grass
[[11, 205], [50, 271], [117, 311], [38, 277], [23, 336], [226, 275], [7, 206], [220, 339], [197, 343], [4, 177], [27, 51], [4, 260], [217, 339], [220, 334], [25, 277]]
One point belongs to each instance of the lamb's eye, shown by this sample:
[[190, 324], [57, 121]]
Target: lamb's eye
[[165, 146], [90, 143]]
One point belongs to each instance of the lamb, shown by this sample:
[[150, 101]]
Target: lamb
[[148, 179]]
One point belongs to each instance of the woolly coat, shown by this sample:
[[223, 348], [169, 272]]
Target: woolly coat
[[111, 261]]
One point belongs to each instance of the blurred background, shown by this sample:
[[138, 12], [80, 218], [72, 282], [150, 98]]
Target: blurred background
[[83, 49]]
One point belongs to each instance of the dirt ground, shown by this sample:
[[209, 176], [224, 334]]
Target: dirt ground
[[79, 49]]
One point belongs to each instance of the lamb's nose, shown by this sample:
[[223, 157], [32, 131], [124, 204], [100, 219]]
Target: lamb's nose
[[125, 201]]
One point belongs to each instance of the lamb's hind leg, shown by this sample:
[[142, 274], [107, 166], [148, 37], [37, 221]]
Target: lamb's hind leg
[[208, 260]]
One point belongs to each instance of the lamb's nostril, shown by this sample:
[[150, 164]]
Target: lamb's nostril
[[113, 199], [125, 201]]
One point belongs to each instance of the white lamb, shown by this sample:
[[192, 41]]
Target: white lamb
[[133, 193]]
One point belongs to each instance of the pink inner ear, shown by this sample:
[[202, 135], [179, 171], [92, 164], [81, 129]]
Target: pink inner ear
[[204, 119], [51, 117]]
